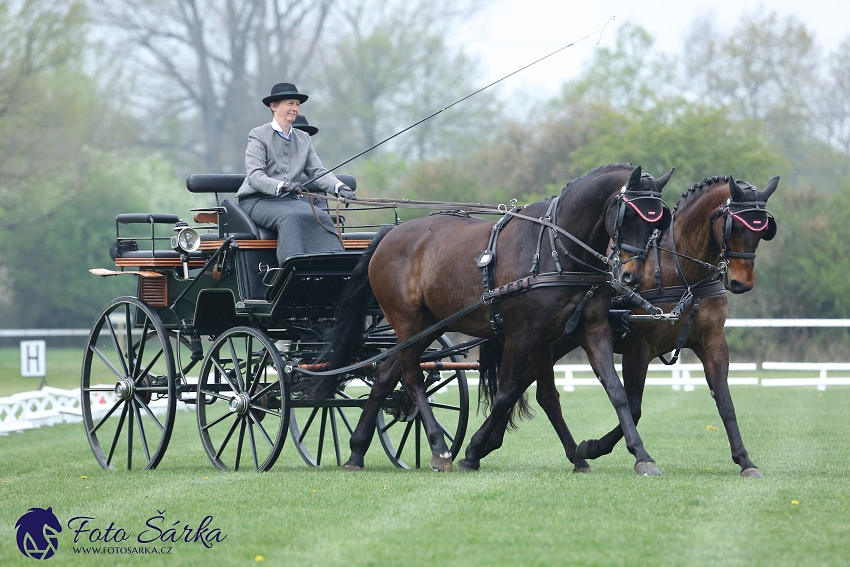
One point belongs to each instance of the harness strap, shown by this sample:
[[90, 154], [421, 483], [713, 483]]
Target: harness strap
[[682, 338]]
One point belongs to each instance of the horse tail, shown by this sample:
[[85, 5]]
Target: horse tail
[[344, 338], [490, 358]]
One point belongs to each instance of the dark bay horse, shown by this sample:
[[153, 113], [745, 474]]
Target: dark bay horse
[[720, 222], [424, 271], [711, 245]]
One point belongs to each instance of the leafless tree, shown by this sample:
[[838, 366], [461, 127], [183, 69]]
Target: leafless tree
[[211, 61]]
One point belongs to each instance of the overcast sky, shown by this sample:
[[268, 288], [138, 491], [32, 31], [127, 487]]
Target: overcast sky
[[511, 33]]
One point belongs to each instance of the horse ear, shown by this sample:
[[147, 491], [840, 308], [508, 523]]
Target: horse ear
[[634, 179], [662, 181], [771, 187], [735, 191]]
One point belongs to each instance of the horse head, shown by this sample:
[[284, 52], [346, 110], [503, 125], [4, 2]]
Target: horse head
[[633, 214], [745, 222]]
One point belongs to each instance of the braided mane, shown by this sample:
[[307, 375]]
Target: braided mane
[[693, 192]]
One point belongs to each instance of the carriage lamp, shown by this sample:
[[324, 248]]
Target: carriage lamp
[[185, 241]]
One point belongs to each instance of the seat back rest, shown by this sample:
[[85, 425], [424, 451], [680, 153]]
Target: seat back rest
[[214, 182], [238, 220]]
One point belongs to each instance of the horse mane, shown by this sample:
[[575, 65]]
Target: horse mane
[[576, 183], [693, 192]]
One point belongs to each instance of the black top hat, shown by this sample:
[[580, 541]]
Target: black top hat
[[301, 123], [283, 91]]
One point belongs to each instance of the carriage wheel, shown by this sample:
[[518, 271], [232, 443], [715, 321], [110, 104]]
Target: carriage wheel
[[242, 401], [128, 386], [400, 429], [316, 430]]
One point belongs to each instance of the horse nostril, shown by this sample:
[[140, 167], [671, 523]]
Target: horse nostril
[[738, 287]]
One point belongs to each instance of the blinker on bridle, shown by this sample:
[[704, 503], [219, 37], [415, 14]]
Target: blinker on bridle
[[649, 206]]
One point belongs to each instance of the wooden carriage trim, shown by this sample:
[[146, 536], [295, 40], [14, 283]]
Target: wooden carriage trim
[[155, 262], [272, 244]]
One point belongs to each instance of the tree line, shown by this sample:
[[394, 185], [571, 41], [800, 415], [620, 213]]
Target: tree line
[[106, 106]]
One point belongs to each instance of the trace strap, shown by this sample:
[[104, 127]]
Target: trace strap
[[499, 294]]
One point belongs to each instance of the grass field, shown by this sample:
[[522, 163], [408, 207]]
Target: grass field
[[523, 508]]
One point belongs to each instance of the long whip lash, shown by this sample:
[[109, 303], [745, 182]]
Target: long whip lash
[[600, 31]]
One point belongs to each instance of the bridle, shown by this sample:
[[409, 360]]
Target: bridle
[[649, 206], [753, 215]]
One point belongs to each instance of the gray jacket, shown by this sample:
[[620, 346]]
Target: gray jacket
[[270, 159]]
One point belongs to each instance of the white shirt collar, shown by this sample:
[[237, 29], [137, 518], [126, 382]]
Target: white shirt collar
[[276, 127]]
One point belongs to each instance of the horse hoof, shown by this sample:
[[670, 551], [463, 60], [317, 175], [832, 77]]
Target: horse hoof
[[581, 450], [441, 464], [348, 467], [752, 473], [647, 468], [582, 470], [465, 466]]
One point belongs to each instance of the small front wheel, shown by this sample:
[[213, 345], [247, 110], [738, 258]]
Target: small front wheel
[[242, 402]]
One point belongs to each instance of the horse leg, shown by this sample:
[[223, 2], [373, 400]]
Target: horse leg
[[414, 382], [599, 346], [511, 387], [714, 354], [386, 378], [635, 367], [548, 398]]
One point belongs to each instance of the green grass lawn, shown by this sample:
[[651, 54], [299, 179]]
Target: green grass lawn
[[523, 508]]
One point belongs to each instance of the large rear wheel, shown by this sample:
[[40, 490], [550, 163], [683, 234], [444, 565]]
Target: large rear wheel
[[242, 401], [128, 386]]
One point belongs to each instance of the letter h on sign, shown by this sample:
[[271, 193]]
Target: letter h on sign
[[34, 360]]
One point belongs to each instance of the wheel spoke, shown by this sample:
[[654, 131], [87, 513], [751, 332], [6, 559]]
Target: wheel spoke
[[142, 342], [236, 366], [104, 418], [128, 325], [266, 410], [446, 432], [227, 437], [129, 438], [216, 421], [224, 374], [100, 355], [403, 439], [117, 347], [321, 436], [262, 429], [390, 424], [255, 379], [264, 390], [336, 438], [142, 436], [345, 420], [147, 369], [149, 412], [239, 443], [117, 435], [253, 445], [216, 395], [444, 406], [309, 423], [440, 385]]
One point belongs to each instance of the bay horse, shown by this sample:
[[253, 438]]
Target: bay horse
[[425, 271], [710, 247]]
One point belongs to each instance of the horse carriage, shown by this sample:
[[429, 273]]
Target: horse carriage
[[289, 346], [217, 324]]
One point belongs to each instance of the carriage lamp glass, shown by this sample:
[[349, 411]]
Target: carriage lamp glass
[[186, 240]]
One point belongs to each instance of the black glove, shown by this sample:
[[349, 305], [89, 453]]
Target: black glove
[[345, 192], [295, 188]]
